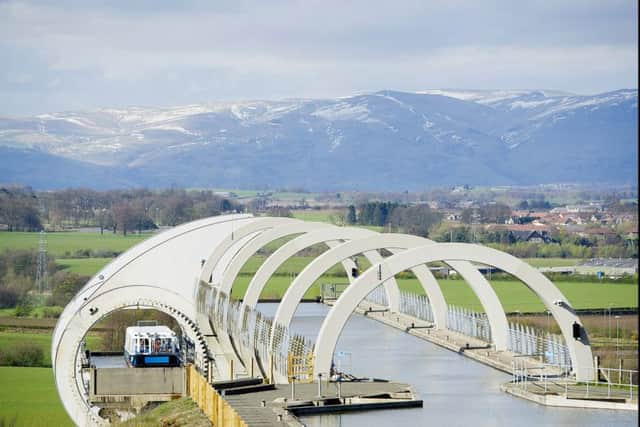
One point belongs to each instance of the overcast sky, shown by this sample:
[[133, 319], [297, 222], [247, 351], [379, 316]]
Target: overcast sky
[[81, 54]]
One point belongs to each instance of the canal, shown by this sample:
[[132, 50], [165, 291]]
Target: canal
[[456, 390]]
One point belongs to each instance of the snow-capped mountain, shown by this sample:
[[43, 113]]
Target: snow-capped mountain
[[384, 140]]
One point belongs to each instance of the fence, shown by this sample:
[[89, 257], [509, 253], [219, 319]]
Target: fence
[[251, 331], [416, 305], [468, 322], [525, 340], [217, 410], [557, 379], [378, 296], [528, 340]]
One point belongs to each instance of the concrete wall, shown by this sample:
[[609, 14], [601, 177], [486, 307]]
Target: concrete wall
[[130, 381]]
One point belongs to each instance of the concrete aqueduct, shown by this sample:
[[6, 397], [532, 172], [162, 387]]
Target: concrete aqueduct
[[167, 271]]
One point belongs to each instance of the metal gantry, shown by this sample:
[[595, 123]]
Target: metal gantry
[[42, 276]]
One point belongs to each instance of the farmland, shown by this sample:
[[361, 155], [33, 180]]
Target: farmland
[[28, 397], [514, 295], [67, 243]]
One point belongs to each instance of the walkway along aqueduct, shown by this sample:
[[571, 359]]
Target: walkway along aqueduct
[[188, 273]]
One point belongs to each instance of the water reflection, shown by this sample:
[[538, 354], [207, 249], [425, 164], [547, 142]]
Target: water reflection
[[456, 391]]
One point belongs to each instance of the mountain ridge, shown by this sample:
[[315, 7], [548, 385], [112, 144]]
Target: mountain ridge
[[385, 140]]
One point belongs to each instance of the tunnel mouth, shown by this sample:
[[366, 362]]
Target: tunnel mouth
[[106, 345], [102, 347]]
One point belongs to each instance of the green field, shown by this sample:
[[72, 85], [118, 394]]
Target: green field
[[314, 215], [294, 265], [513, 295], [83, 266], [42, 340], [552, 262], [62, 242], [28, 396]]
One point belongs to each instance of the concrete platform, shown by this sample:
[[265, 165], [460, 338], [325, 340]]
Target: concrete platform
[[467, 346], [576, 397], [280, 409]]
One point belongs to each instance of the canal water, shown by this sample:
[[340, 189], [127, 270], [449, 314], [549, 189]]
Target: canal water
[[456, 391]]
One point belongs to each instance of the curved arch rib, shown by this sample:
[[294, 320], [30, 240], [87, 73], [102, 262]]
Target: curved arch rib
[[233, 236], [168, 260], [395, 242], [552, 298], [289, 249], [255, 244]]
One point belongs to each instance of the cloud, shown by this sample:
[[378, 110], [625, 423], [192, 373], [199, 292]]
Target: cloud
[[248, 49]]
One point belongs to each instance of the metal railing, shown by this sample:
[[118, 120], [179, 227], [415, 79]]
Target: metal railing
[[558, 379], [416, 305], [468, 322], [525, 340], [378, 296], [250, 331], [528, 340]]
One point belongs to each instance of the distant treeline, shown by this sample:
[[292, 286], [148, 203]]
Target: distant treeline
[[122, 211], [417, 219]]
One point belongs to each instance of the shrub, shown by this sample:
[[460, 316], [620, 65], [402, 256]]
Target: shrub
[[82, 253], [52, 312], [24, 307], [65, 286], [23, 354], [8, 298], [8, 422]]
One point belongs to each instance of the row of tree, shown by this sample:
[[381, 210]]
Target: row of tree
[[562, 244], [415, 219], [22, 209], [19, 209]]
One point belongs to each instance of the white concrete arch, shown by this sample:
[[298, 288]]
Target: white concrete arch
[[162, 270], [289, 249], [482, 288], [552, 298], [395, 243], [192, 242], [391, 241], [237, 237], [262, 239]]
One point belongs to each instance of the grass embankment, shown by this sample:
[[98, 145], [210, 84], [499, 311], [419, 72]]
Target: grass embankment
[[28, 398], [177, 413]]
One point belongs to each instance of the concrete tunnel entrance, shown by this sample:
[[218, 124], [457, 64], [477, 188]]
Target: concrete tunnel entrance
[[112, 380]]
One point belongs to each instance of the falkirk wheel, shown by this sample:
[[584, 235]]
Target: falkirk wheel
[[164, 273]]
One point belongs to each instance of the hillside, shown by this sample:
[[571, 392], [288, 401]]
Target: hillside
[[386, 140]]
